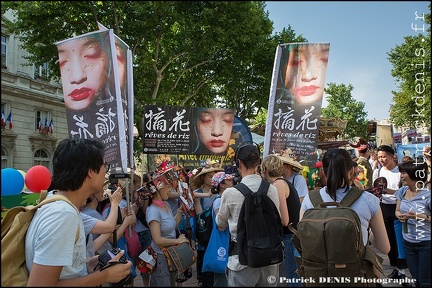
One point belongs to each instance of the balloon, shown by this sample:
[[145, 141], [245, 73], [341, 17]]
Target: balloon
[[23, 174], [12, 182], [38, 178]]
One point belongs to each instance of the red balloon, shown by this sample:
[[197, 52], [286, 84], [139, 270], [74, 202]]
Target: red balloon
[[38, 178]]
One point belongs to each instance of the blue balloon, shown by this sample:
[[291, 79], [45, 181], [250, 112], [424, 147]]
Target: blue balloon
[[12, 182]]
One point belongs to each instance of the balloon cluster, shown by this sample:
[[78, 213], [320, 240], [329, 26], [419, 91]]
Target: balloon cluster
[[15, 181]]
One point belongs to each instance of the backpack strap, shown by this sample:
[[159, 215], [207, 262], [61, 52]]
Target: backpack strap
[[243, 189], [315, 197], [56, 198], [246, 190], [42, 195], [352, 195], [262, 190]]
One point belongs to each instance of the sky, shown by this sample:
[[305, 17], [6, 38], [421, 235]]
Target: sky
[[360, 33]]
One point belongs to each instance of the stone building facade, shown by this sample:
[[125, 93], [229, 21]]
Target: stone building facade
[[32, 104]]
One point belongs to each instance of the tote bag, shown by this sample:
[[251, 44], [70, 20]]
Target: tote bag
[[216, 255], [133, 243]]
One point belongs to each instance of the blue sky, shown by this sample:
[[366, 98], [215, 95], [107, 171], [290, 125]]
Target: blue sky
[[360, 35]]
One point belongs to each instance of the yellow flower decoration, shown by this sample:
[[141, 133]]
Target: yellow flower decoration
[[362, 175]]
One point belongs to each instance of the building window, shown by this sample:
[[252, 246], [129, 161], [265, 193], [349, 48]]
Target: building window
[[4, 159], [43, 119], [41, 72], [3, 51], [41, 158], [5, 109]]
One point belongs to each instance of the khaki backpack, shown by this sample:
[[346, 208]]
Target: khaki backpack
[[331, 246], [14, 227]]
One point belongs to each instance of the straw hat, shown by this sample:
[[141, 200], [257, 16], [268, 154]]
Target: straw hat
[[287, 157], [197, 181]]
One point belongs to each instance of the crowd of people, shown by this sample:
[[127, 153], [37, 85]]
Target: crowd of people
[[63, 242]]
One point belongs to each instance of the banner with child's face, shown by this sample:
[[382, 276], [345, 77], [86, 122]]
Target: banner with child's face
[[91, 85], [295, 99]]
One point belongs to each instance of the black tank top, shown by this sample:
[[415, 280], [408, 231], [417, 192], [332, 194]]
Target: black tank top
[[293, 204]]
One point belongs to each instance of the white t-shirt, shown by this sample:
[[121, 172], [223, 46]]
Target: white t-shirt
[[50, 239], [393, 180]]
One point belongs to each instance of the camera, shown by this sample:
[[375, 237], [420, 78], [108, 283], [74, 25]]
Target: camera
[[233, 171], [105, 257]]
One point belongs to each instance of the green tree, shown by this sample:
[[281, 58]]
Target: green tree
[[342, 105], [411, 67], [186, 53]]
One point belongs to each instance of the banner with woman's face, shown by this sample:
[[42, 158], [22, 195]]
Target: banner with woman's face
[[295, 99], [89, 70], [193, 134]]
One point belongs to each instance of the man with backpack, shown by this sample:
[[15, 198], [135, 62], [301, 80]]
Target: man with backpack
[[247, 157], [55, 244]]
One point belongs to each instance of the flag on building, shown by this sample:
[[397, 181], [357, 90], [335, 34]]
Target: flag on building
[[46, 122], [51, 126], [40, 125], [3, 121], [9, 119]]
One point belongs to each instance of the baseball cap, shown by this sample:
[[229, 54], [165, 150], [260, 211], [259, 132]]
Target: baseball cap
[[219, 177], [248, 152]]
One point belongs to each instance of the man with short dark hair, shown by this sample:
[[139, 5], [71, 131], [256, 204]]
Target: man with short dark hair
[[390, 171], [55, 256], [247, 161]]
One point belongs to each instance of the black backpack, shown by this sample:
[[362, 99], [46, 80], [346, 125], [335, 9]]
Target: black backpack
[[259, 228], [204, 225]]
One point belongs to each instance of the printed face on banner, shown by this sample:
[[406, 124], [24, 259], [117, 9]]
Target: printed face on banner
[[305, 73], [295, 105], [90, 66], [213, 129], [193, 134], [84, 68], [186, 130]]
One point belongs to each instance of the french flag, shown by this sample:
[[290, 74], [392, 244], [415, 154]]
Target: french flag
[[40, 125], [3, 121], [51, 126], [9, 119]]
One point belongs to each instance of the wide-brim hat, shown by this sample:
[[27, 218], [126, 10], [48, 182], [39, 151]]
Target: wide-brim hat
[[197, 181], [287, 157]]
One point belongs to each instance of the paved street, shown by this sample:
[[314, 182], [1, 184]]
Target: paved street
[[193, 282]]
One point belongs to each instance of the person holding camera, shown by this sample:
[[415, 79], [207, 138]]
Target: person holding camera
[[163, 226], [55, 245]]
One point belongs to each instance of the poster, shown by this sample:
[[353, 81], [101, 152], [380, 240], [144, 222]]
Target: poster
[[295, 100], [90, 75], [193, 134]]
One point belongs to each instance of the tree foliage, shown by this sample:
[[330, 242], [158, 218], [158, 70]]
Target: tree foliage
[[342, 105], [185, 53], [411, 67], [193, 53]]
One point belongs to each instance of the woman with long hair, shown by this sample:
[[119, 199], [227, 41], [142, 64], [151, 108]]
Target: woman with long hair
[[338, 169]]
